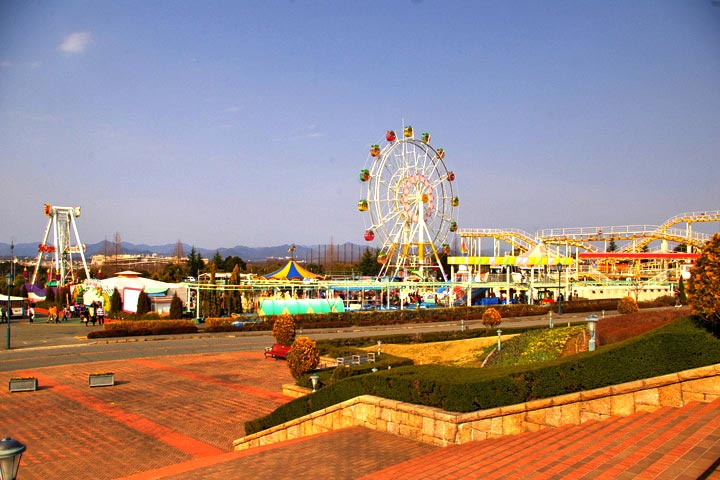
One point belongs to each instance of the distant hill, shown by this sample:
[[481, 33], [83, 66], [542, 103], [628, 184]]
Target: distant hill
[[345, 252]]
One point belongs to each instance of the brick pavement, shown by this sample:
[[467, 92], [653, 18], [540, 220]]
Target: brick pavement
[[175, 417]]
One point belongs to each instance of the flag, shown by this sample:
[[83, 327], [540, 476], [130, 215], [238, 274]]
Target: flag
[[463, 248]]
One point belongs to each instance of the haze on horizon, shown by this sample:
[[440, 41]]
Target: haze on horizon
[[226, 123]]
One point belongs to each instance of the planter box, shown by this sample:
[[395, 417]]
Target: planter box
[[23, 384], [101, 379]]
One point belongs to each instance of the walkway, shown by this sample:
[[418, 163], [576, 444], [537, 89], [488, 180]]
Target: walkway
[[167, 417]]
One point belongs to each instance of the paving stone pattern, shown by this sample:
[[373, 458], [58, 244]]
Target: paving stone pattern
[[176, 417]]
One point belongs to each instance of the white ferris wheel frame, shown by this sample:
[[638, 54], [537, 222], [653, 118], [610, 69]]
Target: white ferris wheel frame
[[411, 206]]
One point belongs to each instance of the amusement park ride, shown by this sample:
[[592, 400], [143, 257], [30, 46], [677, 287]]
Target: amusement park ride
[[410, 200], [61, 220]]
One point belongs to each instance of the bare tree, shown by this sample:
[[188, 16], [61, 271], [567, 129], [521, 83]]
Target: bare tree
[[118, 246], [179, 252]]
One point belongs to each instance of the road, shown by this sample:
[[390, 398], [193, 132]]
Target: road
[[42, 345]]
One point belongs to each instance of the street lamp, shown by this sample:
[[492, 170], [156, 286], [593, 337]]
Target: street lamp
[[314, 378], [499, 341], [592, 326], [379, 343], [10, 452], [10, 278], [559, 297]]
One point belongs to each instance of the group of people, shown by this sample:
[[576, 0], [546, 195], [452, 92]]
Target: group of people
[[54, 314], [95, 313]]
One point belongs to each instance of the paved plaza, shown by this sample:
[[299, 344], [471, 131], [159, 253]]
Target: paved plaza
[[175, 417]]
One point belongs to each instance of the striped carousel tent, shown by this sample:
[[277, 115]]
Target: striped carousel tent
[[292, 271]]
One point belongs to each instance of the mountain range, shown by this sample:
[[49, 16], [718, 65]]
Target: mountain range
[[349, 252]]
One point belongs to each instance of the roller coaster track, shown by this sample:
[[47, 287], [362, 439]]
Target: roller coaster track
[[689, 238], [518, 238], [637, 236]]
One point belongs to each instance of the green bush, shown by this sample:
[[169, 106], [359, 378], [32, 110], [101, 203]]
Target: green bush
[[491, 318], [284, 329], [132, 328], [303, 357], [627, 305], [678, 346], [176, 308]]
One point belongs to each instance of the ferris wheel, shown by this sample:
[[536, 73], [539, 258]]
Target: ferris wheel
[[410, 204]]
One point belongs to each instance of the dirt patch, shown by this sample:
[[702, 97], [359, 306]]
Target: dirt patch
[[457, 353]]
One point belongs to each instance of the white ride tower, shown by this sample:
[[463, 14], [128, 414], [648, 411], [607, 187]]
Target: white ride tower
[[61, 220]]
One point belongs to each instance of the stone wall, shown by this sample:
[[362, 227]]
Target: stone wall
[[437, 427]]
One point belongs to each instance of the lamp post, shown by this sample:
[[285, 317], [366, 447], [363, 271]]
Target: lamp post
[[10, 278], [591, 325], [10, 452], [379, 343], [499, 341], [559, 297]]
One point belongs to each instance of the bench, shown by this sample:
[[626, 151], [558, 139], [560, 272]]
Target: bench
[[277, 351], [356, 359]]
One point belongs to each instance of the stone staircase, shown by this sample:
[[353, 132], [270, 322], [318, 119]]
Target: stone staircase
[[669, 443]]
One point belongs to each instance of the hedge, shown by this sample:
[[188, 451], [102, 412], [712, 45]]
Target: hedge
[[678, 346], [225, 324], [133, 328]]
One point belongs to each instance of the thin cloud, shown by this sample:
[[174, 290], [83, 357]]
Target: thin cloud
[[76, 42], [5, 64]]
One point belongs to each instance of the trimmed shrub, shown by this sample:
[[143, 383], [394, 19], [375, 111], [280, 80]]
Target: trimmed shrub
[[133, 328], [303, 357], [225, 324], [627, 305], [284, 330], [143, 305], [675, 347], [491, 318], [116, 302], [176, 308]]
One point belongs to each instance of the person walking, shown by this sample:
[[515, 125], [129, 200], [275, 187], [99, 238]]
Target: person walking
[[100, 312], [91, 313], [31, 314]]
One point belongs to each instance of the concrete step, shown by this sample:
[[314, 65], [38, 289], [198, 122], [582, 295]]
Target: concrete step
[[668, 443]]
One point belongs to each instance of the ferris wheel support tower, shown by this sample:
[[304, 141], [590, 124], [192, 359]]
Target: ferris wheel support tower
[[61, 220]]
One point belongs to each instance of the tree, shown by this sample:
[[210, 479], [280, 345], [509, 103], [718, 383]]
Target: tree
[[176, 307], [233, 301], [491, 318], [211, 300], [218, 262], [704, 284], [682, 294], [195, 262], [143, 305], [369, 265], [627, 305], [303, 357], [172, 273], [612, 246], [231, 261], [284, 330], [117, 240], [179, 252], [116, 302]]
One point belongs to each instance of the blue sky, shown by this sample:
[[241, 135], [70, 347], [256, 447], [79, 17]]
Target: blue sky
[[225, 123]]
